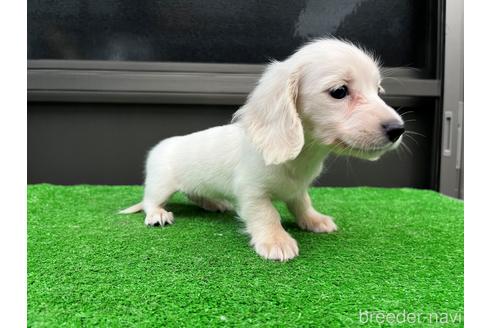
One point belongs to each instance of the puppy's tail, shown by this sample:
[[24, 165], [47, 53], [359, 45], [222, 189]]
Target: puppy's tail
[[132, 209]]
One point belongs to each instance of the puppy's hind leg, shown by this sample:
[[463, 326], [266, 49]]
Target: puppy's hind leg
[[155, 195], [212, 205]]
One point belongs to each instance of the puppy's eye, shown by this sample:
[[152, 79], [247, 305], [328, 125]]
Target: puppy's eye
[[340, 92]]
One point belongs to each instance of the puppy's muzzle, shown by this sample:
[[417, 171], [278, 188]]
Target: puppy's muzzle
[[393, 130]]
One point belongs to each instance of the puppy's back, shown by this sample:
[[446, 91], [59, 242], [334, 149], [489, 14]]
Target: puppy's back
[[200, 163]]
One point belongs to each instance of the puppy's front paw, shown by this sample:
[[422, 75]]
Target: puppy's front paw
[[159, 217], [318, 223], [278, 246]]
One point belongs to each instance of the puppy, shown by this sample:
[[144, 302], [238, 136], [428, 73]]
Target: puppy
[[322, 99]]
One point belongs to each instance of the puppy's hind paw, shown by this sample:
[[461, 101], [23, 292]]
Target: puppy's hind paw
[[159, 217]]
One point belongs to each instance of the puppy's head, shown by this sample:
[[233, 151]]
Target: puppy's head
[[327, 92]]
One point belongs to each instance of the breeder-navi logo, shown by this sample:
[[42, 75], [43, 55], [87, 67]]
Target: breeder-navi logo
[[405, 317]]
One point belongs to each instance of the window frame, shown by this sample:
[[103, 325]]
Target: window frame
[[452, 103], [177, 83]]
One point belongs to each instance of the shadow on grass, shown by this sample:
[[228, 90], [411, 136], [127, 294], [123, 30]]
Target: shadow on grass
[[189, 210]]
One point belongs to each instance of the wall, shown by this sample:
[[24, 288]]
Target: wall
[[73, 143]]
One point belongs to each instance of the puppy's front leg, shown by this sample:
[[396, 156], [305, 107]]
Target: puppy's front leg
[[268, 237], [307, 217]]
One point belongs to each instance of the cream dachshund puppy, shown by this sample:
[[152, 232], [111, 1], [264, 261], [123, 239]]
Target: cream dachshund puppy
[[323, 99]]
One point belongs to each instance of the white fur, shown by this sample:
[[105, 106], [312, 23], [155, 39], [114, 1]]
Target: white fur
[[276, 145]]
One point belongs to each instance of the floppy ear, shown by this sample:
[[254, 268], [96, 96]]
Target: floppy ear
[[270, 115]]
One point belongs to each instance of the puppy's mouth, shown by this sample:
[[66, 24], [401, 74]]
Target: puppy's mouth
[[371, 152]]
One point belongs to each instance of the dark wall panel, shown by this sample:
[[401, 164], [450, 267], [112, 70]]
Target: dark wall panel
[[107, 144]]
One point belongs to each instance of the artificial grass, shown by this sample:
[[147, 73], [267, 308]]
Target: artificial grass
[[396, 250]]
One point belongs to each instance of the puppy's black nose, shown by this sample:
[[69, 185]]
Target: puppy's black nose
[[393, 130]]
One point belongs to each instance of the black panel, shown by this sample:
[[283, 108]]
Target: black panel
[[107, 144], [224, 31]]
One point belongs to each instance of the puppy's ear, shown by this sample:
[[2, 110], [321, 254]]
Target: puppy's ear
[[270, 115]]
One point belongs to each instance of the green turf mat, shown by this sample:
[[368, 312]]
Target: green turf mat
[[396, 251]]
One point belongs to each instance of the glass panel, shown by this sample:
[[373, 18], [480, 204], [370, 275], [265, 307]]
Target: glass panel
[[222, 31]]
